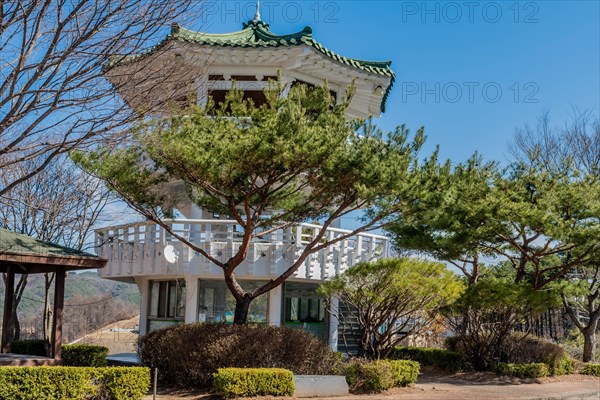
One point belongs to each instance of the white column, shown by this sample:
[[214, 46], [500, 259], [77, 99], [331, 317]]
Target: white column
[[191, 299], [144, 288], [333, 323], [201, 87], [275, 300], [286, 82]]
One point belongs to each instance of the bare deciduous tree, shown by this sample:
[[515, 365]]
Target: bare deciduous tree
[[576, 144], [53, 53], [60, 204]]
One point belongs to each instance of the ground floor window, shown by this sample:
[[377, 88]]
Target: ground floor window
[[217, 304], [167, 303], [304, 309]]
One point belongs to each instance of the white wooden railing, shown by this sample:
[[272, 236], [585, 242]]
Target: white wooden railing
[[138, 249]]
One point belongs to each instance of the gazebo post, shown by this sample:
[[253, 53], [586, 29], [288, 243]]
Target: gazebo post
[[9, 295], [59, 297]]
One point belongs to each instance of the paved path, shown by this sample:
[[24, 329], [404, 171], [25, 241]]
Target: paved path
[[436, 386], [571, 390]]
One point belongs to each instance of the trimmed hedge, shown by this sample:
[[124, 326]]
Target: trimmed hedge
[[248, 382], [447, 360], [561, 366], [189, 354], [591, 369], [121, 383], [44, 383], [30, 347], [532, 370], [379, 375], [84, 355], [73, 383], [404, 372]]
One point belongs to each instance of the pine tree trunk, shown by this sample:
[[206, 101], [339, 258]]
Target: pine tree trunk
[[589, 342], [242, 305]]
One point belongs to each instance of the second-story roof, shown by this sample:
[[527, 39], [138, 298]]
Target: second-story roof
[[256, 34]]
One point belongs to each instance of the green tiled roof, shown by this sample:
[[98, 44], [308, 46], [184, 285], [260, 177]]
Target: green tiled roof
[[14, 243], [256, 34]]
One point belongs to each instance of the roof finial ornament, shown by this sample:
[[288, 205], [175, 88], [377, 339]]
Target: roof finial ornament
[[257, 14]]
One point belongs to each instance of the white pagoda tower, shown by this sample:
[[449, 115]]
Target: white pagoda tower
[[176, 284]]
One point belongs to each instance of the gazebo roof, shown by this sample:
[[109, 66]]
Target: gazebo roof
[[256, 34], [30, 255]]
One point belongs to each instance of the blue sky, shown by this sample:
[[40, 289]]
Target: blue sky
[[469, 71]]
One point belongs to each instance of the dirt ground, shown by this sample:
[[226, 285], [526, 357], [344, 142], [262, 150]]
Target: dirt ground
[[436, 385]]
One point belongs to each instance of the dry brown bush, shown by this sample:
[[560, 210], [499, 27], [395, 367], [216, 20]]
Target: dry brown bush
[[189, 354]]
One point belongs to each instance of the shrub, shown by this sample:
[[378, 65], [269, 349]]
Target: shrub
[[121, 383], [404, 372], [445, 359], [452, 343], [190, 354], [374, 376], [44, 383], [591, 369], [84, 355], [73, 383], [531, 370], [379, 375], [520, 348], [247, 382], [561, 366], [30, 347]]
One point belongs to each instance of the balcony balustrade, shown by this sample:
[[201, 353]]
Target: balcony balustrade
[[138, 250]]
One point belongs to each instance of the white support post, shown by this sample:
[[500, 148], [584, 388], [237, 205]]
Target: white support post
[[334, 322], [201, 87], [358, 251], [286, 82], [152, 248], [144, 288], [275, 300], [191, 299]]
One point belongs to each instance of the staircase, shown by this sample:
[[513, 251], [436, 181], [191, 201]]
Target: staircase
[[348, 329]]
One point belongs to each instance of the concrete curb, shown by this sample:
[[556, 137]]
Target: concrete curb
[[320, 386]]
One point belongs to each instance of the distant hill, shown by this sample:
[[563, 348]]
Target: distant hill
[[118, 337], [90, 303]]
